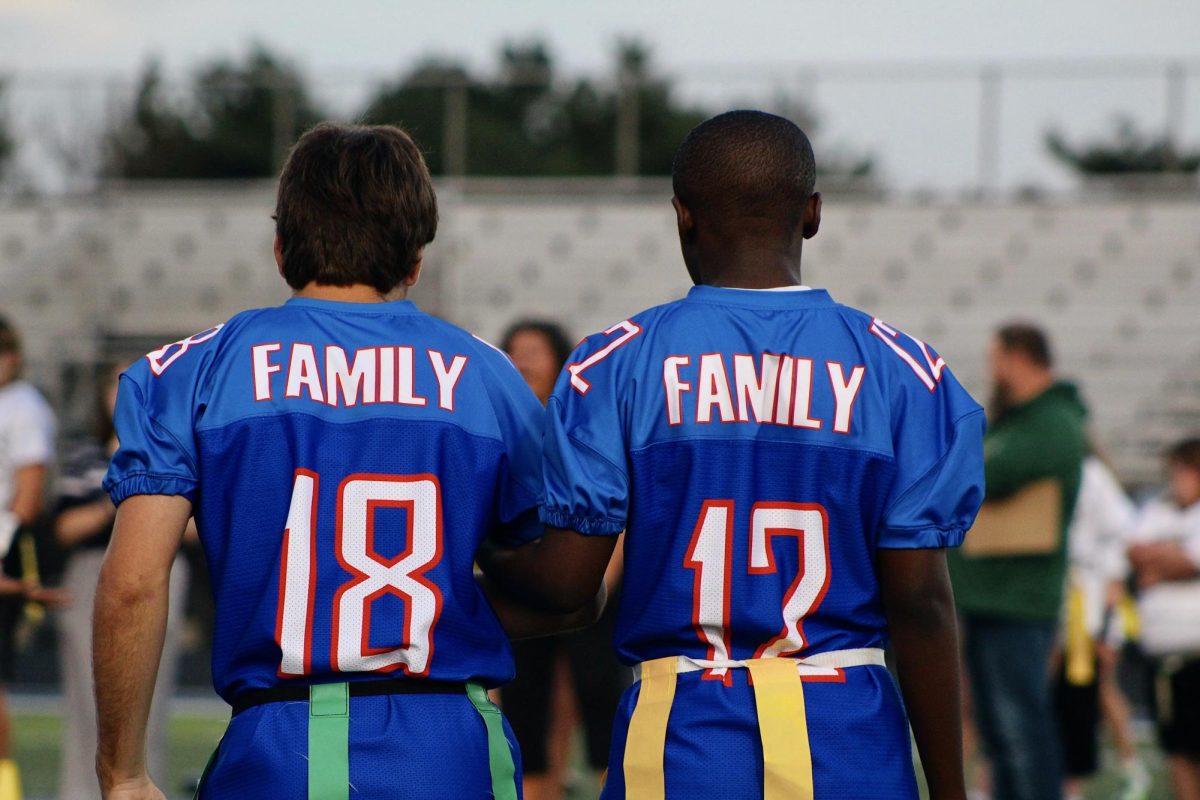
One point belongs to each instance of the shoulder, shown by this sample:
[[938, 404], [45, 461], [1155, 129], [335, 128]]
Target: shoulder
[[610, 354], [177, 370], [23, 398], [624, 339], [480, 351], [911, 368], [24, 408]]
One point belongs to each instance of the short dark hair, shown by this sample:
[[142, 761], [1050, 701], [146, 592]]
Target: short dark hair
[[10, 340], [1185, 453], [355, 205], [1023, 337], [552, 332], [744, 164]]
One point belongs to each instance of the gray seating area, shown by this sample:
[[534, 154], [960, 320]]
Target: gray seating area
[[1117, 284]]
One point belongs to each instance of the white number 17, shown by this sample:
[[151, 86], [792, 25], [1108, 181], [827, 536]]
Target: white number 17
[[710, 555]]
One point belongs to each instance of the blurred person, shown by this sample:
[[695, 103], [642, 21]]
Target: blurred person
[[1011, 604], [27, 431], [1086, 689], [788, 473], [1165, 556], [82, 527], [344, 455], [543, 717]]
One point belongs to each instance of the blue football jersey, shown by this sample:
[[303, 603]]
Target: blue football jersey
[[759, 447], [344, 462]]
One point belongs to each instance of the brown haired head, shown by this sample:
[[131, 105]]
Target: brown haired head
[[10, 341], [1185, 453], [355, 206], [1028, 340], [10, 352]]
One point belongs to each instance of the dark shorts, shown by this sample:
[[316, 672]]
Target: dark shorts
[[1078, 709], [12, 608], [599, 680], [1177, 703]]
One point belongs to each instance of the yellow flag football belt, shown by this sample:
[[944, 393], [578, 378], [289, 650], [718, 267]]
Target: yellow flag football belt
[[782, 723]]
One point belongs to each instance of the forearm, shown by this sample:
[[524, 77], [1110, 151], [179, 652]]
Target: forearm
[[522, 622], [29, 484], [83, 522], [919, 603], [526, 573], [129, 625], [560, 573], [925, 644]]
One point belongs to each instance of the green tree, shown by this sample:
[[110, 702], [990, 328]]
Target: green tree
[[1125, 150], [237, 121], [417, 102], [523, 121], [506, 117]]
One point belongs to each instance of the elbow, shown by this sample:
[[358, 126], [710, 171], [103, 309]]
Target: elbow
[[119, 593]]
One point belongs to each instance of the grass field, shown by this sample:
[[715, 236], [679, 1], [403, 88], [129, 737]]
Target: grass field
[[193, 737]]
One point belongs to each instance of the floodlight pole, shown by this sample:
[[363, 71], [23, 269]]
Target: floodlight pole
[[1176, 103], [989, 129], [454, 129], [628, 121]]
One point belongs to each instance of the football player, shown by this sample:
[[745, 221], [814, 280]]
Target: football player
[[788, 472], [344, 455]]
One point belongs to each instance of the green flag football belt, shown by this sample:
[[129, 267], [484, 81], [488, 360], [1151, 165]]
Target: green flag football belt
[[329, 729]]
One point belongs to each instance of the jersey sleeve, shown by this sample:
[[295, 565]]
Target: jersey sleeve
[[154, 424], [938, 447], [584, 463], [519, 416]]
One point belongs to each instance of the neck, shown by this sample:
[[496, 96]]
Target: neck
[[748, 265], [1031, 387], [355, 293]]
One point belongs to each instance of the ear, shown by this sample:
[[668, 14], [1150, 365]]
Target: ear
[[812, 215], [683, 218], [415, 275], [279, 253]]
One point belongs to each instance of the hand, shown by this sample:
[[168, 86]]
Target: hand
[[1114, 594], [141, 788], [49, 596], [11, 586]]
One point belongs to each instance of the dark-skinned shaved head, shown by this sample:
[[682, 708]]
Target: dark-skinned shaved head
[[745, 165]]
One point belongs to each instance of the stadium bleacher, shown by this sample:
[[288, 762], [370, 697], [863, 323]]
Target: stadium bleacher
[[1116, 282]]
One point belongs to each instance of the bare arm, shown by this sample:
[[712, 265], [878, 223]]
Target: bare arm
[[919, 603], [1160, 562], [561, 572], [82, 522], [522, 622], [29, 487], [130, 621]]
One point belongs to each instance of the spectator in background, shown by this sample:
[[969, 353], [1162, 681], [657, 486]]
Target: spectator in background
[[27, 428], [82, 526], [1086, 686], [1165, 555], [540, 713], [1010, 604]]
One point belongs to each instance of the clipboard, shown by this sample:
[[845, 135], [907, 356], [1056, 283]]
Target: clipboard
[[1027, 523]]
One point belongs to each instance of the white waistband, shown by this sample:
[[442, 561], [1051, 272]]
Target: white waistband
[[827, 663]]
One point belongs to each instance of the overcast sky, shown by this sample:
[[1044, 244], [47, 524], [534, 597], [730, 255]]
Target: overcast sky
[[759, 38]]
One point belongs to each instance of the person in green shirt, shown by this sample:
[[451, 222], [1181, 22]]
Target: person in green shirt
[[1010, 605]]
